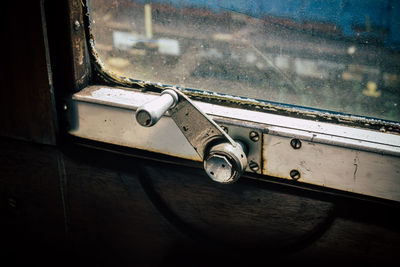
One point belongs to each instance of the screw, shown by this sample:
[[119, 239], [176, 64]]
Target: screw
[[254, 166], [77, 25], [295, 174], [254, 136], [295, 143], [224, 128]]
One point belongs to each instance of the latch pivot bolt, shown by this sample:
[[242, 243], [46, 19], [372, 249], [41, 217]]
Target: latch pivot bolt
[[225, 163]]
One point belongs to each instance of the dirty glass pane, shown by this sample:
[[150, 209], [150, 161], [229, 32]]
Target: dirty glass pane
[[340, 55]]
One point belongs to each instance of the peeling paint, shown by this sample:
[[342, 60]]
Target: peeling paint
[[312, 138]]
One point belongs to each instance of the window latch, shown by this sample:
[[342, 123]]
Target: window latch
[[224, 159]]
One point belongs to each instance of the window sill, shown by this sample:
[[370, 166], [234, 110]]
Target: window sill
[[335, 156]]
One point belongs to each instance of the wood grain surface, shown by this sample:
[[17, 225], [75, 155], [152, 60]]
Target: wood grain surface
[[78, 205], [26, 96]]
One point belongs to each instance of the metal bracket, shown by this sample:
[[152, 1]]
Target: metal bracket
[[252, 136]]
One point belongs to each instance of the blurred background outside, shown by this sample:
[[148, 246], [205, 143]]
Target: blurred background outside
[[339, 55]]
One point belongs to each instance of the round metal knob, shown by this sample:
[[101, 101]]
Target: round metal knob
[[225, 162]]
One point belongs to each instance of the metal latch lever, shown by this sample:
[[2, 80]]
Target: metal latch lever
[[224, 159]]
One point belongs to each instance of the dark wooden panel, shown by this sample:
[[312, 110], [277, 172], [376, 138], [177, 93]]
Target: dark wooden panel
[[205, 223], [26, 110], [84, 206], [110, 219], [354, 243], [248, 222], [242, 215], [31, 208]]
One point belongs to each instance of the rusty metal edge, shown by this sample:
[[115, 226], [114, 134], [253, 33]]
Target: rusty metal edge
[[78, 24]]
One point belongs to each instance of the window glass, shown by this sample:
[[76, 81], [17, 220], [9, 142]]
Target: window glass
[[339, 55]]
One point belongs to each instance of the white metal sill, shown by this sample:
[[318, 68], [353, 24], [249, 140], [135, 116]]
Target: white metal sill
[[340, 157]]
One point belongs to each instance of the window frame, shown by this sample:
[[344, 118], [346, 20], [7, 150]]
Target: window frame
[[348, 133]]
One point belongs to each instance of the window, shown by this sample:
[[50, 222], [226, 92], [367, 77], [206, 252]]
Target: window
[[317, 82], [338, 55]]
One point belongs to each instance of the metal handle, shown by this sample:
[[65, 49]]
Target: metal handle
[[224, 158], [149, 114]]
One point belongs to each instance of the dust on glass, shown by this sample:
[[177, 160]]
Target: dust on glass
[[335, 55]]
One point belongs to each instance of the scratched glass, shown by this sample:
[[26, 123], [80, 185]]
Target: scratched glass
[[334, 55]]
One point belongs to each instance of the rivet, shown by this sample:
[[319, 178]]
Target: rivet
[[254, 166], [254, 136], [77, 25], [295, 143], [295, 174]]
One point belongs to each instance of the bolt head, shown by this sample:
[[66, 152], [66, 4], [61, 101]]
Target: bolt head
[[225, 162], [219, 168]]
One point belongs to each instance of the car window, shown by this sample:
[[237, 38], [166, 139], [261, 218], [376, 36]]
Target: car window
[[341, 56]]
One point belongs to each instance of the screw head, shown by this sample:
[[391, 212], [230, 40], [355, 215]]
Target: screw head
[[77, 25], [254, 166], [295, 143], [254, 136], [295, 174]]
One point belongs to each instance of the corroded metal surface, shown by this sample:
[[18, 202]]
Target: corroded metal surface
[[80, 53]]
